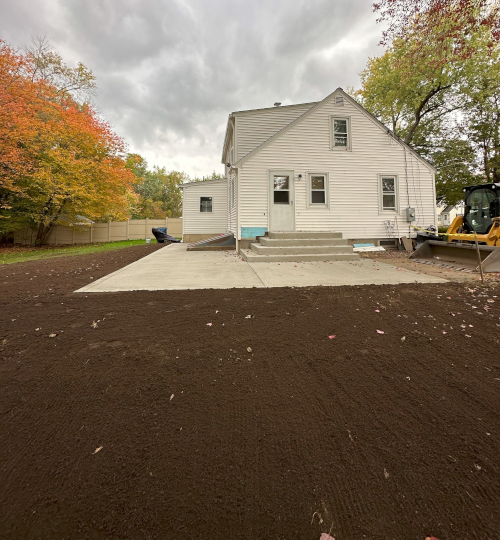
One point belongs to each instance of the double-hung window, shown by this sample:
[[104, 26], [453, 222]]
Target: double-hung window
[[341, 136], [388, 192], [205, 204], [318, 189]]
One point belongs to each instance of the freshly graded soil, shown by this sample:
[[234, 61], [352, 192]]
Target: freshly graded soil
[[234, 414]]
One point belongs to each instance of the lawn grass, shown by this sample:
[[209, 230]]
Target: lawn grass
[[14, 254]]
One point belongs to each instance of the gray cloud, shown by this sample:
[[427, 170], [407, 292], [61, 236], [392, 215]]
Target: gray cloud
[[170, 71]]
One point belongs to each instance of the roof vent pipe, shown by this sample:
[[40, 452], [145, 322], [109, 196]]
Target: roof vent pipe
[[277, 104]]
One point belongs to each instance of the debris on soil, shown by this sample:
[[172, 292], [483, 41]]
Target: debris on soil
[[246, 435], [98, 449]]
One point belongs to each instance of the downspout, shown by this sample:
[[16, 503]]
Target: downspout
[[182, 215], [237, 185], [434, 196]]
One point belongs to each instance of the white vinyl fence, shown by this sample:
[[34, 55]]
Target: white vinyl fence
[[132, 229]]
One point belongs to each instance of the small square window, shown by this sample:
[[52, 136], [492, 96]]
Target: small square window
[[281, 193], [317, 182], [318, 197], [205, 204], [281, 197], [281, 182]]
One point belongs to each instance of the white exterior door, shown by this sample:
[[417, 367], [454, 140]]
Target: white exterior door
[[281, 201]]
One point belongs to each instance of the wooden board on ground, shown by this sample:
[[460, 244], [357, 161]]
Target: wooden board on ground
[[407, 243]]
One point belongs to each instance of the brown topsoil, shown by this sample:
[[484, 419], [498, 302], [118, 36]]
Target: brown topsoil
[[139, 420]]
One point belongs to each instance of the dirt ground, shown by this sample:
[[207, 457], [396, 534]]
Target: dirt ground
[[366, 412], [401, 259]]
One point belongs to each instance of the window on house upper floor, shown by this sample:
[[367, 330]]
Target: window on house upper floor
[[341, 133], [205, 204]]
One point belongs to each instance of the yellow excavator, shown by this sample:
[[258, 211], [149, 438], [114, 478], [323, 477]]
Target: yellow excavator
[[481, 221]]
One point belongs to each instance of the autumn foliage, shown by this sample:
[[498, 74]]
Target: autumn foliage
[[58, 158], [433, 23]]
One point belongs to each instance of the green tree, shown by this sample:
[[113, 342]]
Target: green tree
[[213, 176], [446, 110], [482, 115]]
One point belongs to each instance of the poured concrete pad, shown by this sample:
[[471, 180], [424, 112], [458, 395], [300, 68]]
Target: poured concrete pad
[[360, 272], [175, 268]]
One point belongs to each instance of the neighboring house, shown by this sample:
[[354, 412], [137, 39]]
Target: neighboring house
[[204, 209], [448, 214], [326, 166]]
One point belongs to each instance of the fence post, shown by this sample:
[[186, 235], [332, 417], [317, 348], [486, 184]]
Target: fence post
[[91, 232], [128, 229], [166, 223], [146, 233], [109, 231], [73, 236]]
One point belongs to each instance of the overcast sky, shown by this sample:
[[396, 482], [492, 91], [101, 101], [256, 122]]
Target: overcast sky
[[170, 71]]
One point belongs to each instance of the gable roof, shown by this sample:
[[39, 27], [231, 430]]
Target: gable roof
[[230, 121], [275, 108], [200, 183], [447, 210], [353, 102]]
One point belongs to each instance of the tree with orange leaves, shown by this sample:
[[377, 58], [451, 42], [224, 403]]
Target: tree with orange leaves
[[58, 159]]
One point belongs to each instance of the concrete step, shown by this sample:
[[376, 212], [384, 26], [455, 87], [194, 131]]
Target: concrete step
[[303, 234], [276, 242], [253, 257], [299, 250]]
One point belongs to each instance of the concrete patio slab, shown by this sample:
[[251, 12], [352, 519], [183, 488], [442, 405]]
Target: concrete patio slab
[[174, 268], [332, 273]]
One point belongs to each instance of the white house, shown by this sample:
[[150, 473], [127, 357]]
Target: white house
[[204, 209], [326, 166], [447, 214]]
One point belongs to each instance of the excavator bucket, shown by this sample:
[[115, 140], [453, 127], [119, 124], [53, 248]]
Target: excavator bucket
[[462, 256]]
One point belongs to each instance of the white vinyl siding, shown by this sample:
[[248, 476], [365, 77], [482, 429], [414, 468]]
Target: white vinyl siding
[[197, 222], [353, 176], [255, 127]]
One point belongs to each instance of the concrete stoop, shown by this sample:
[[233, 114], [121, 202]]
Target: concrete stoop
[[300, 246]]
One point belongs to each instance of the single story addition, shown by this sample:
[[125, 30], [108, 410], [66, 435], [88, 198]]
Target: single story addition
[[204, 209], [318, 167]]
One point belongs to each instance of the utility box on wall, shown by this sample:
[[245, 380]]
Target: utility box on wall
[[410, 214]]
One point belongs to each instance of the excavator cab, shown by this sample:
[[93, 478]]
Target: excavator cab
[[481, 206], [481, 219]]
